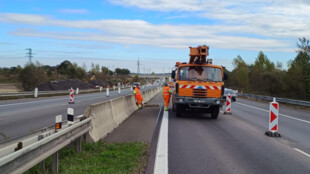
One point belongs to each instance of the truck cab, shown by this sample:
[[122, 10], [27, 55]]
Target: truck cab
[[199, 85]]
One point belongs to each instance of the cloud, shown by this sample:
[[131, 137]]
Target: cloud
[[268, 35], [73, 11], [269, 18], [228, 42]]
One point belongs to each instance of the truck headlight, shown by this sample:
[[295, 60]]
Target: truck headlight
[[218, 102], [181, 100]]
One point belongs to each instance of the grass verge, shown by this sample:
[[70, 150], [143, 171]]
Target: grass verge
[[100, 158]]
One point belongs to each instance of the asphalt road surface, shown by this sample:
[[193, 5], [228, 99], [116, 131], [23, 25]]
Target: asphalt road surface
[[236, 143], [20, 117]]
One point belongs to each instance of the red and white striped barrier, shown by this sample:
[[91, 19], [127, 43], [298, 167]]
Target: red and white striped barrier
[[200, 87], [71, 101], [273, 119], [228, 105]]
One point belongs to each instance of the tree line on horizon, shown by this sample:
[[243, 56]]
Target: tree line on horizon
[[33, 74], [265, 77]]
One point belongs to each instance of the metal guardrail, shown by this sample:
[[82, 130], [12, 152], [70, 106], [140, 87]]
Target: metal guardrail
[[39, 146], [31, 93], [281, 100], [27, 157], [43, 93]]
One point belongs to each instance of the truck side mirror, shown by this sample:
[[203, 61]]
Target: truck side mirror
[[225, 76], [173, 74]]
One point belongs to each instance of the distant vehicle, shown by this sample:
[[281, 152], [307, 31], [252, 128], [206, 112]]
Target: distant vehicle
[[232, 93], [135, 84]]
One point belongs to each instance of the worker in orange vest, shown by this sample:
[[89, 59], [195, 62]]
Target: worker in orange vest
[[166, 94], [138, 96]]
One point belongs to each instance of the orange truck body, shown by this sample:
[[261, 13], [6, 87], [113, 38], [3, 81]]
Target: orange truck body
[[199, 84]]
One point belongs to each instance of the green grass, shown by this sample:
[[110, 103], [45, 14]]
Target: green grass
[[120, 158]]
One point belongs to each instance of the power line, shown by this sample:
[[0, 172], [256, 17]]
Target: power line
[[138, 63], [29, 54]]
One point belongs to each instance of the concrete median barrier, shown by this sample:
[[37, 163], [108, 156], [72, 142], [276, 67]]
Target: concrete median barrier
[[108, 115], [101, 119]]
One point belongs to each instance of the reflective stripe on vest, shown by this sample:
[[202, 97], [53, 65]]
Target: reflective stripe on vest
[[166, 91], [138, 94]]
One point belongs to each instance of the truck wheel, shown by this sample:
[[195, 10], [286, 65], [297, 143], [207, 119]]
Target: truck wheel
[[215, 112]]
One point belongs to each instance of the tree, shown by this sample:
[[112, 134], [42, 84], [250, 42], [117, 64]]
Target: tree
[[303, 45], [240, 73], [32, 75], [71, 70], [63, 67], [262, 67], [106, 71], [120, 71], [298, 76]]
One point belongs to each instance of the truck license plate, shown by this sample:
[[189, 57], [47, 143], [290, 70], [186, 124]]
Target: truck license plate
[[199, 101]]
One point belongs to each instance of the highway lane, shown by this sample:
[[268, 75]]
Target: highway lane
[[236, 143], [27, 115]]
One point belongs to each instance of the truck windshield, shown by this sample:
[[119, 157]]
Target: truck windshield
[[200, 73]]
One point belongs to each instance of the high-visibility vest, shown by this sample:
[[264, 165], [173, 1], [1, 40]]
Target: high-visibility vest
[[137, 93], [166, 91]]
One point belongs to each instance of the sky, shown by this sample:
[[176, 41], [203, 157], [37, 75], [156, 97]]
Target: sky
[[116, 33]]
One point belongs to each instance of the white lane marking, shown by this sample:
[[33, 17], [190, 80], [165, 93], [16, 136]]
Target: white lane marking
[[293, 118], [161, 159], [30, 102], [302, 152]]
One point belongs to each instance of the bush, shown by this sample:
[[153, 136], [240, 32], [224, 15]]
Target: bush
[[32, 75]]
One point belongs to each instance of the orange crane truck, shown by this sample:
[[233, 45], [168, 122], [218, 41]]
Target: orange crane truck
[[199, 85]]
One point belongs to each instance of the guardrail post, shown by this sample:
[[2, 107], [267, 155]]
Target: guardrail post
[[119, 90], [77, 91], [36, 93], [58, 121], [108, 92], [55, 163], [42, 163], [100, 88], [78, 147], [114, 87], [70, 116], [42, 166]]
